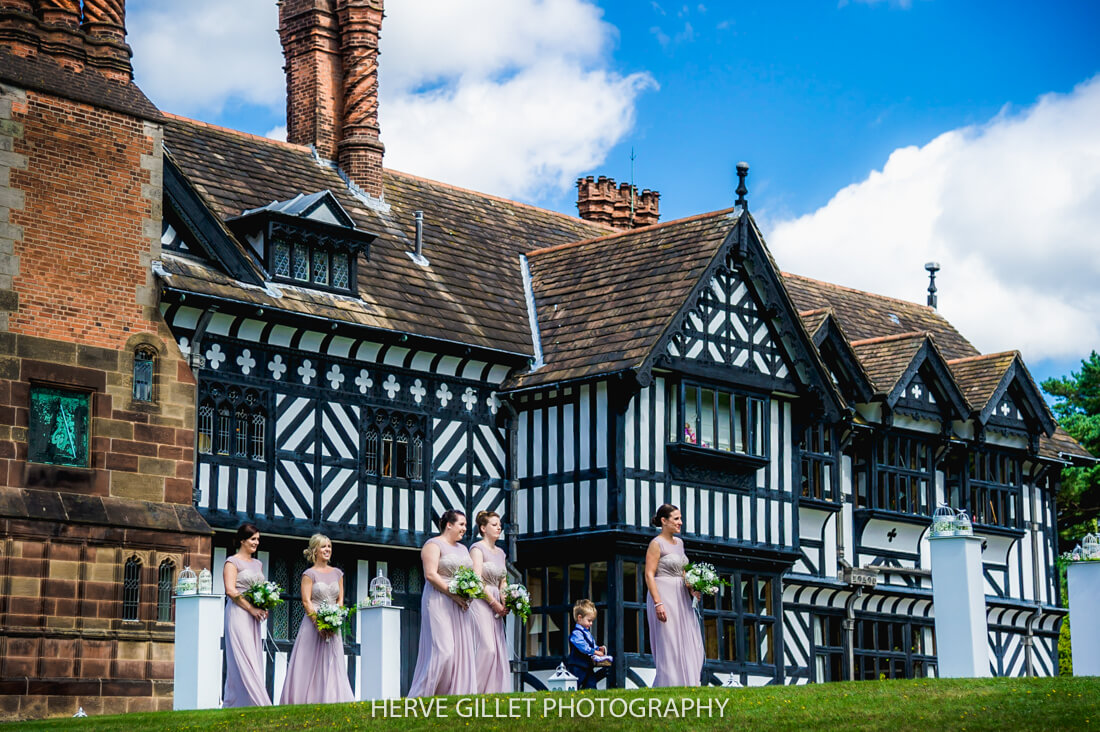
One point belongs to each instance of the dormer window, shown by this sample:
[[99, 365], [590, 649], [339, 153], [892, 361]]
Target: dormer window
[[308, 240]]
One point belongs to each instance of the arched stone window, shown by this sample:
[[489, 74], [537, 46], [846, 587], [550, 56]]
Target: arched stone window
[[165, 577], [145, 360], [131, 589]]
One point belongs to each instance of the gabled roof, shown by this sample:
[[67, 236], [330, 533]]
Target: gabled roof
[[892, 361], [603, 303], [866, 315], [985, 380], [312, 206], [471, 292], [836, 350]]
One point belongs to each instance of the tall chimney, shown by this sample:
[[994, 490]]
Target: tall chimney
[[602, 201], [331, 51], [76, 34]]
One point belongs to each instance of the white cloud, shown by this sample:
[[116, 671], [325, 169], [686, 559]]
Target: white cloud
[[519, 102], [278, 132], [1010, 209], [196, 58]]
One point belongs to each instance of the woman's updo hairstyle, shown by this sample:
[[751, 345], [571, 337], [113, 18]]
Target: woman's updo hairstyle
[[449, 517], [244, 533], [483, 518], [663, 512], [315, 543]]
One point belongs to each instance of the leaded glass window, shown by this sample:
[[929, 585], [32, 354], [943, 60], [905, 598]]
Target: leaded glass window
[[281, 258], [225, 429], [387, 454], [340, 271], [259, 425], [232, 422], [240, 428], [58, 426], [301, 263], [371, 452], [131, 588], [165, 576], [144, 361], [416, 458], [206, 427], [320, 267]]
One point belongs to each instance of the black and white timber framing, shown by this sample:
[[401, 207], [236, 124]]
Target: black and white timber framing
[[738, 416]]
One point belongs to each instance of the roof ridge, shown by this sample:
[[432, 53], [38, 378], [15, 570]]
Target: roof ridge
[[895, 337], [230, 130], [815, 311], [862, 292], [982, 356], [628, 232], [491, 196]]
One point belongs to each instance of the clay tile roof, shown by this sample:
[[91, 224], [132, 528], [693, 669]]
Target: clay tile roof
[[471, 293], [886, 358], [814, 319], [43, 74], [603, 304], [979, 376], [1061, 442], [865, 315]]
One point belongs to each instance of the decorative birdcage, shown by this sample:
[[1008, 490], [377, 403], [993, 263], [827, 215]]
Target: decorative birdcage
[[943, 521], [206, 582], [562, 680], [381, 593], [187, 583], [1090, 546], [963, 527]]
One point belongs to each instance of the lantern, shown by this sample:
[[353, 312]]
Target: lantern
[[206, 582], [963, 526], [188, 583], [381, 593], [943, 521], [562, 680], [1090, 546]]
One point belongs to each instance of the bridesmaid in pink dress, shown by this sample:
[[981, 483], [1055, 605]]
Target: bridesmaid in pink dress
[[445, 658], [673, 628], [244, 656], [493, 673], [318, 671]]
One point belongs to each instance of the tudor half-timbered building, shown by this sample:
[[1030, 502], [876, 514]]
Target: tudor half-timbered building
[[369, 349]]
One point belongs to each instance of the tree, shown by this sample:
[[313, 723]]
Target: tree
[[1077, 407]]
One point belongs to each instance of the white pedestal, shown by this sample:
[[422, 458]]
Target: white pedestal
[[380, 650], [1084, 631], [200, 623], [958, 593]]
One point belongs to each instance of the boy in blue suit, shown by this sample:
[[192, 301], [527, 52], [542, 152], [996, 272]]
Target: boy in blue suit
[[587, 661]]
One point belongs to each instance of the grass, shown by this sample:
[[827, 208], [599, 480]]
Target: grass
[[1059, 703]]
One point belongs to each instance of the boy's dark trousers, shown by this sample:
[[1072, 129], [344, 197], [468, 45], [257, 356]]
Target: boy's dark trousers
[[580, 665]]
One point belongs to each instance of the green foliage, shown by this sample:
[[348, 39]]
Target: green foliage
[[1077, 408], [1065, 655]]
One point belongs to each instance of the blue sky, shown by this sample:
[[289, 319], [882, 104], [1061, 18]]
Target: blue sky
[[880, 134]]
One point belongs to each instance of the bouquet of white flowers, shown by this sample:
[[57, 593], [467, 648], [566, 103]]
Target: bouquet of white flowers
[[264, 595], [333, 618], [702, 577], [518, 600], [466, 584]]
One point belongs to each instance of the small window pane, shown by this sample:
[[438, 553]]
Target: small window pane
[[724, 420], [320, 266], [131, 588], [58, 426], [691, 415], [259, 431], [370, 452], [240, 429], [225, 430], [706, 419], [340, 272], [416, 459], [401, 457], [164, 591], [282, 259], [206, 427], [301, 263], [143, 375]]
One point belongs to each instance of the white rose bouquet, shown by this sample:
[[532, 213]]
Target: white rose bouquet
[[264, 595], [333, 618], [703, 578], [466, 584], [518, 600]]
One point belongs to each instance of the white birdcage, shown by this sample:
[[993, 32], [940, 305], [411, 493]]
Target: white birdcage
[[562, 680], [381, 592], [963, 527], [206, 582], [1090, 546], [187, 583], [943, 521]]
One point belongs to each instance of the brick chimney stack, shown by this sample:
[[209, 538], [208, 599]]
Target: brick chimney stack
[[331, 51], [76, 35], [602, 201]]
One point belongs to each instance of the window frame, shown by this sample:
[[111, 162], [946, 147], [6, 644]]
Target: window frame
[[152, 359], [165, 609], [300, 246], [131, 589], [872, 467], [818, 451], [85, 460], [220, 429], [987, 475]]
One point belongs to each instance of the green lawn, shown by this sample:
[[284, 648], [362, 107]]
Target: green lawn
[[1063, 703]]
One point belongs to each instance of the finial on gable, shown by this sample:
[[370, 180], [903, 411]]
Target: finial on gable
[[933, 268], [742, 173]]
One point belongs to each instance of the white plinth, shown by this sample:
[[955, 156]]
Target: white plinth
[[200, 623], [1084, 631], [380, 650], [958, 592]]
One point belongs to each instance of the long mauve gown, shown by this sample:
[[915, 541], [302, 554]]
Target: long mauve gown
[[445, 657], [244, 652], [493, 674], [677, 643], [318, 671]]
